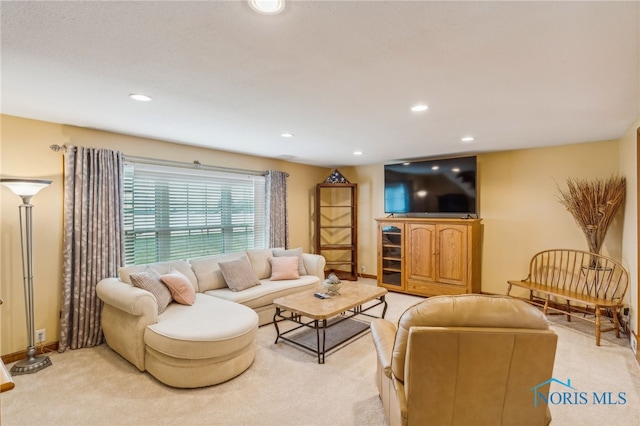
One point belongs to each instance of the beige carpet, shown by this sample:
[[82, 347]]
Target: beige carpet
[[286, 386]]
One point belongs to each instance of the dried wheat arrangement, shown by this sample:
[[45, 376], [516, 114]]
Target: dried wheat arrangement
[[593, 205]]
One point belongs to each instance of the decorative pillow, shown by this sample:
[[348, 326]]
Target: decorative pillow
[[284, 268], [181, 289], [259, 259], [150, 280], [238, 274], [292, 252]]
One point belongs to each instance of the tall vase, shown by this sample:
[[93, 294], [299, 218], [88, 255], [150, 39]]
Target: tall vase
[[595, 245]]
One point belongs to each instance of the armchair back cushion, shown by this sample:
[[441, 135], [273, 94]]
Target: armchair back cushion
[[469, 310], [473, 359]]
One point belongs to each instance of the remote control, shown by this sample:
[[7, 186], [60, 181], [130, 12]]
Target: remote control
[[321, 295]]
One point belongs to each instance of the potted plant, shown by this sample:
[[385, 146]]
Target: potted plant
[[593, 205]]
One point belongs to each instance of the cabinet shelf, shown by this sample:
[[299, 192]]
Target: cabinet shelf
[[336, 228], [336, 247]]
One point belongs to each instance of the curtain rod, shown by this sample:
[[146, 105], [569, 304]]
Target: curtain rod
[[196, 164], [57, 148]]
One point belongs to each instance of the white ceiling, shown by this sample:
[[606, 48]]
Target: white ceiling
[[340, 75]]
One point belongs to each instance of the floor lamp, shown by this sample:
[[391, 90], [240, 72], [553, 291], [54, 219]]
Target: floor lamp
[[25, 189]]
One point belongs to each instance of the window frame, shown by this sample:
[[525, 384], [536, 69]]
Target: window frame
[[230, 203]]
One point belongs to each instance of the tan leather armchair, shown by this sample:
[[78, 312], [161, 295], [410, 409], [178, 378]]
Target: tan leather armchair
[[465, 360]]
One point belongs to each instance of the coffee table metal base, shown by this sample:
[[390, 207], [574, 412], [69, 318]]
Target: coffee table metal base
[[323, 345]]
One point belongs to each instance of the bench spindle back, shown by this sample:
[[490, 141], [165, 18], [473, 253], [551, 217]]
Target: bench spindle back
[[581, 272]]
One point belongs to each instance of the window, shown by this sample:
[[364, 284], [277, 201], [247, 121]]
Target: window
[[179, 213], [396, 198]]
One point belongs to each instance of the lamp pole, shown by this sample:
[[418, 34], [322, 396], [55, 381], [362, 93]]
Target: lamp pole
[[25, 189]]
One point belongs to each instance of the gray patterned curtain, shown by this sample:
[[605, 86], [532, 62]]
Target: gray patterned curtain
[[277, 212], [93, 240]]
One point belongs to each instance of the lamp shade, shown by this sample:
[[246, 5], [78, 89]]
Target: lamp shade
[[25, 187]]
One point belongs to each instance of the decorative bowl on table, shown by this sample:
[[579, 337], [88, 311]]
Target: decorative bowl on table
[[332, 284]]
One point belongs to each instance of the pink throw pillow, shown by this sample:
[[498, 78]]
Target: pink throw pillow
[[181, 289], [284, 268]]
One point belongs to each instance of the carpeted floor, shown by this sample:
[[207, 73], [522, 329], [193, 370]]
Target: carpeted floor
[[286, 386]]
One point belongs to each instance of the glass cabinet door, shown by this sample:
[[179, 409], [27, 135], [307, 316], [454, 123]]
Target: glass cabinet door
[[390, 255]]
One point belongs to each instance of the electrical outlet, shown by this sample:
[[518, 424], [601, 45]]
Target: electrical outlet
[[362, 269], [41, 335], [634, 344]]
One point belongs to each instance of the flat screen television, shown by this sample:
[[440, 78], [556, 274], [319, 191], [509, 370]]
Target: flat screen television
[[439, 188]]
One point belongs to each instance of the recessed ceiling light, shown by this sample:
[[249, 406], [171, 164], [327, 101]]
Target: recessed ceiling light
[[140, 97], [467, 139], [419, 108], [267, 7], [357, 152], [286, 135]]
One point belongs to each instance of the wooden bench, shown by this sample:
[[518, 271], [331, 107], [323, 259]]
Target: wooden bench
[[559, 277]]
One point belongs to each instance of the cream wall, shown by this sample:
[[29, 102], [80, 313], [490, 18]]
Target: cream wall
[[629, 168], [25, 152], [518, 206]]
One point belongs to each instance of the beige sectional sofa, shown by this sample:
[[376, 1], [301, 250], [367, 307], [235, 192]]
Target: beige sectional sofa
[[210, 341]]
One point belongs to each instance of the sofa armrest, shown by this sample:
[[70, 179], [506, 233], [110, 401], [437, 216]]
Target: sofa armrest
[[314, 264], [125, 297], [383, 333], [126, 313]]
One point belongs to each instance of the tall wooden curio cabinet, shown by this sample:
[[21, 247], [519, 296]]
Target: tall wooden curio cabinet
[[337, 225]]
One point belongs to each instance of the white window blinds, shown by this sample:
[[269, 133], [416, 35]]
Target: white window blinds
[[180, 213]]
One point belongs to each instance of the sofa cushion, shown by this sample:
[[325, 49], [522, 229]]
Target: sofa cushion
[[259, 259], [178, 284], [238, 274], [187, 332], [149, 280], [284, 268], [208, 272], [162, 268], [266, 292], [292, 252]]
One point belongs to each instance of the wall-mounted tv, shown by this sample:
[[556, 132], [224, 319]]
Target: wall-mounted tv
[[439, 187]]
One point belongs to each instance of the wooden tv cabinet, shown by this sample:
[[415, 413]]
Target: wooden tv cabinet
[[429, 257]]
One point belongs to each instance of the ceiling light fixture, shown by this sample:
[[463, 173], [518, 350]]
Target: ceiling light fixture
[[467, 139], [267, 7], [357, 152], [419, 108], [140, 97], [286, 135]]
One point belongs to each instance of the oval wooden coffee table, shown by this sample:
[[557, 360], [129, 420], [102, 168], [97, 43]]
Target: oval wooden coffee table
[[326, 324]]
